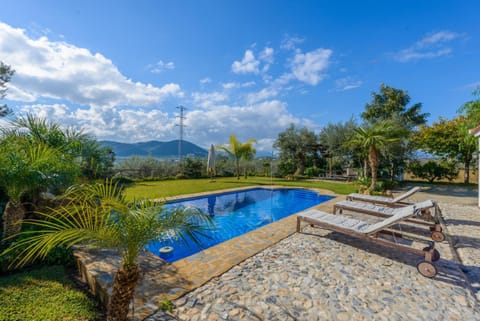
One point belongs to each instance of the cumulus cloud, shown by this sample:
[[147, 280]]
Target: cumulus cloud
[[207, 100], [232, 85], [249, 64], [263, 94], [203, 126], [160, 66], [59, 70], [310, 67], [431, 46]]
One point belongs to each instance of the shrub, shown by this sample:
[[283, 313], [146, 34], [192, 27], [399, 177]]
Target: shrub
[[433, 170]]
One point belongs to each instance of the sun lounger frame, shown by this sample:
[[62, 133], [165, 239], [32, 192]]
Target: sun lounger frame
[[429, 253], [435, 226]]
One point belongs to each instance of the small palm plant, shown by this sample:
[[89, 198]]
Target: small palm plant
[[98, 215], [238, 150]]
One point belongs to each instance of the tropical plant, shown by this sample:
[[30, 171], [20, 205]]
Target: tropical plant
[[6, 73], [98, 215], [238, 151], [27, 167], [372, 138]]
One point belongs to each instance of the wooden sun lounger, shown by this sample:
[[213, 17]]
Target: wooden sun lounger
[[370, 232], [388, 201], [383, 211]]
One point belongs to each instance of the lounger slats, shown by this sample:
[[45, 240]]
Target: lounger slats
[[382, 199]]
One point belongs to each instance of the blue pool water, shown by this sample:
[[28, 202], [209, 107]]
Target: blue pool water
[[236, 213]]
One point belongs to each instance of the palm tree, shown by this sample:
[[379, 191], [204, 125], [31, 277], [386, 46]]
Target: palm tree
[[372, 139], [98, 215], [238, 150], [26, 167]]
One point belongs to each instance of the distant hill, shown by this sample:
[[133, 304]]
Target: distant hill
[[155, 149]]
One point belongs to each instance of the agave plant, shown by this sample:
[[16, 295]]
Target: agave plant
[[98, 215]]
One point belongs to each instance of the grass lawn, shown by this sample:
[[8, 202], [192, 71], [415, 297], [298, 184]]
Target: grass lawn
[[44, 294], [162, 189]]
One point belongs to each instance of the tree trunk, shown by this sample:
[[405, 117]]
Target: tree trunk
[[373, 159], [12, 218], [466, 175], [124, 285], [365, 167], [237, 163]]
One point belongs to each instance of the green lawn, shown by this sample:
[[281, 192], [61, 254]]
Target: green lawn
[[162, 189], [43, 294]]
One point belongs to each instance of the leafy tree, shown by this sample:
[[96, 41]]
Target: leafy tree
[[450, 139], [193, 167], [373, 138], [238, 151], [390, 104], [6, 73], [297, 146], [98, 215], [471, 109], [333, 138], [432, 170]]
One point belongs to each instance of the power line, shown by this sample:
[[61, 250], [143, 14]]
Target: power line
[[181, 125]]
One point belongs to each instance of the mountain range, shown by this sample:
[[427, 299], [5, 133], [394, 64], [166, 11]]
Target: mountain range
[[155, 149]]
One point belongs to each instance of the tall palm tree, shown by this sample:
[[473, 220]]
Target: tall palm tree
[[98, 215], [238, 150], [373, 138]]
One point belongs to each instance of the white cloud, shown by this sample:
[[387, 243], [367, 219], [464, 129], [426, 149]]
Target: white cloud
[[160, 66], [290, 42], [263, 94], [347, 83], [207, 100], [310, 67], [205, 80], [59, 70], [431, 46], [231, 85], [203, 126], [248, 64]]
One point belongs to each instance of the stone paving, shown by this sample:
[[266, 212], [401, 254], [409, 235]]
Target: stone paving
[[318, 275]]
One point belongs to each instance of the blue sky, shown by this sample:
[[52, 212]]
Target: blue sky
[[118, 69]]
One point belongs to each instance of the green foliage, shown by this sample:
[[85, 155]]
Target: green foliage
[[238, 151], [432, 170], [6, 73], [312, 171], [449, 139], [297, 146], [471, 109], [44, 294], [193, 167], [167, 305], [391, 104]]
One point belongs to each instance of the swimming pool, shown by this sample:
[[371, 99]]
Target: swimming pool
[[236, 213]]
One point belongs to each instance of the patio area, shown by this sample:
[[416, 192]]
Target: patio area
[[321, 275]]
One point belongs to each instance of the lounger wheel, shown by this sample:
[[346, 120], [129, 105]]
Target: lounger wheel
[[427, 269], [438, 236], [435, 254]]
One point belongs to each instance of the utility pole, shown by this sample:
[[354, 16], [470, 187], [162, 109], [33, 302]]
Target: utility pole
[[181, 125]]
